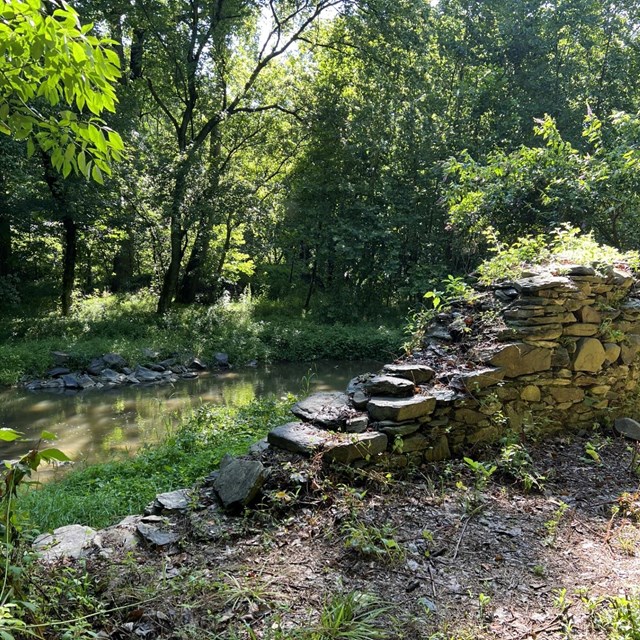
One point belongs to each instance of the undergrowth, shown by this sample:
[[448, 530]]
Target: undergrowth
[[100, 494], [127, 325]]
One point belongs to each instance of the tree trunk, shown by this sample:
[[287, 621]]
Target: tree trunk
[[170, 281], [123, 265], [5, 232], [193, 272], [69, 261]]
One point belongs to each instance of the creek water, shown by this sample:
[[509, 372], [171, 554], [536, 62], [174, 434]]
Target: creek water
[[94, 425]]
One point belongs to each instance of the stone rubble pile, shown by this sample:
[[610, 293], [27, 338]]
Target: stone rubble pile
[[563, 354], [112, 370]]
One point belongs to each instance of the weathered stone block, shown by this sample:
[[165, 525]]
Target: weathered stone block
[[520, 359], [239, 482], [629, 349], [581, 329], [389, 386], [298, 437], [566, 394], [401, 409], [530, 393], [356, 446], [590, 355], [480, 379], [329, 410], [416, 373]]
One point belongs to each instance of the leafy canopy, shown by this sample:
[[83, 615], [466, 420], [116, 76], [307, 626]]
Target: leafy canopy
[[52, 70]]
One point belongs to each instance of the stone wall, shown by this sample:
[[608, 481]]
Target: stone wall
[[553, 351]]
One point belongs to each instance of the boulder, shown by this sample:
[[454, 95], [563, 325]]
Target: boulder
[[530, 393], [171, 502], [329, 410], [157, 532], [589, 356], [612, 352], [72, 541], [114, 361], [416, 373], [239, 483], [196, 363], [96, 366], [359, 400], [356, 447], [389, 386], [71, 381], [298, 437], [221, 360], [520, 359], [58, 371], [146, 375], [628, 428], [401, 409], [109, 375]]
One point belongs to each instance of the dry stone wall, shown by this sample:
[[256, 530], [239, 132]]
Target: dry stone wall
[[553, 351]]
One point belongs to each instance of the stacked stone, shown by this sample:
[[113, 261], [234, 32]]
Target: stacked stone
[[566, 357]]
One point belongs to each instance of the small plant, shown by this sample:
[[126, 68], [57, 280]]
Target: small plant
[[592, 453], [514, 461], [370, 540], [553, 523], [349, 616], [482, 472], [538, 570], [617, 616], [483, 602]]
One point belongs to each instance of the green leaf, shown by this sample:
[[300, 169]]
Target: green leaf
[[96, 174], [9, 435], [47, 435], [54, 454]]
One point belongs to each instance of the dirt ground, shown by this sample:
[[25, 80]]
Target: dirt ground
[[445, 556]]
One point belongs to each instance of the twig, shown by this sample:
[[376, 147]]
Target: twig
[[464, 528]]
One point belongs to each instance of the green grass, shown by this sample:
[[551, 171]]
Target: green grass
[[101, 494], [127, 325]]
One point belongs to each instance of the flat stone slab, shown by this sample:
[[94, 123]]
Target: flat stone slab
[[391, 429], [417, 373], [298, 437], [401, 409], [481, 378], [329, 410], [356, 447], [239, 482], [174, 501], [72, 541], [628, 428], [390, 386], [531, 286], [156, 534], [521, 359]]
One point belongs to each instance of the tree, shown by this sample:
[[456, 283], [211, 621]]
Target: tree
[[50, 67]]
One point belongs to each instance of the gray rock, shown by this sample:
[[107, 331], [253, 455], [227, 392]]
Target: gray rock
[[239, 483], [189, 375], [158, 368], [109, 375], [359, 400], [85, 382], [578, 270], [146, 375], [416, 442], [221, 360], [155, 534], [400, 409], [358, 424], [58, 371], [356, 447], [329, 410], [96, 366], [417, 373], [71, 381], [118, 537], [130, 378], [168, 363], [152, 354], [196, 363], [389, 386], [298, 437], [174, 501], [258, 448], [114, 361], [531, 286], [628, 428], [358, 383], [72, 541], [391, 429]]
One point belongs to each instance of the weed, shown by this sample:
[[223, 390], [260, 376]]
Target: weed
[[553, 523], [627, 540], [483, 602], [538, 570], [618, 616], [592, 452], [373, 541], [482, 472], [515, 461]]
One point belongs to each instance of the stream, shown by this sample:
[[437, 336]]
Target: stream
[[94, 425]]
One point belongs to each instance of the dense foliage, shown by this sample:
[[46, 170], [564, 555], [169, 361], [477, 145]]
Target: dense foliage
[[333, 155]]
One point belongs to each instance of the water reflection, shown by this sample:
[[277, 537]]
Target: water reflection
[[94, 425]]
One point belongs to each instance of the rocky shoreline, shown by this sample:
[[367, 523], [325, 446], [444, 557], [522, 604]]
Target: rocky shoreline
[[112, 370]]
